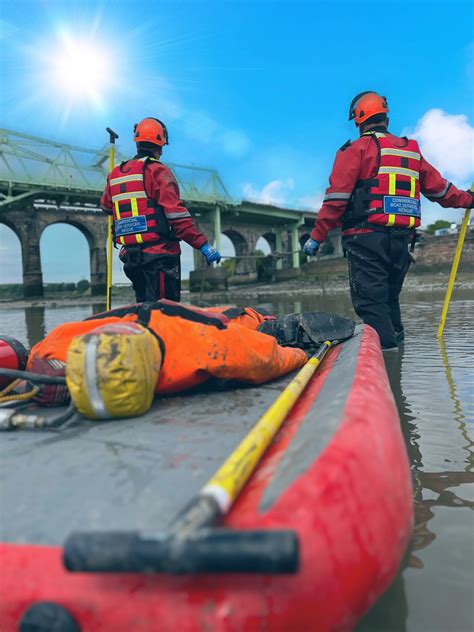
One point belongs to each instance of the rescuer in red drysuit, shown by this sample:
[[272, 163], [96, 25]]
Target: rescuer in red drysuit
[[374, 194], [150, 219]]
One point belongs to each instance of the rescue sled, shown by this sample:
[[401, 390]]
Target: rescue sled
[[336, 475]]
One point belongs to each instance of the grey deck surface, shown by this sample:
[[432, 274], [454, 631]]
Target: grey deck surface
[[139, 473], [127, 474]]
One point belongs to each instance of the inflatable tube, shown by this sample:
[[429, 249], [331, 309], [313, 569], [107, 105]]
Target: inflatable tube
[[337, 474]]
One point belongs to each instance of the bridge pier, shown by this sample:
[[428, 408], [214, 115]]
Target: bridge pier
[[29, 235], [98, 261]]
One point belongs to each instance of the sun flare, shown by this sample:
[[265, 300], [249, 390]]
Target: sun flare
[[81, 70], [74, 74]]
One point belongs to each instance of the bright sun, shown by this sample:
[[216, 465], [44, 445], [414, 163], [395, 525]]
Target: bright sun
[[76, 72], [81, 70]]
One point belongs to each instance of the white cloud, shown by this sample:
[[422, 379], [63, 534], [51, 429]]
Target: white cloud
[[311, 202], [447, 141], [275, 192]]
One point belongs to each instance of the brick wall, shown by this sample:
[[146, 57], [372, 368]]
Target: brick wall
[[438, 252]]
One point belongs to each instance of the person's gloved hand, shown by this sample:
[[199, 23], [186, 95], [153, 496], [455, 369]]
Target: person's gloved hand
[[212, 255], [311, 247]]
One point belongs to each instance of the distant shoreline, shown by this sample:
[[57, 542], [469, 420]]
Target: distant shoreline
[[304, 286]]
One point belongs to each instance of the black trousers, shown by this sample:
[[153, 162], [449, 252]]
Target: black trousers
[[152, 276], [378, 262]]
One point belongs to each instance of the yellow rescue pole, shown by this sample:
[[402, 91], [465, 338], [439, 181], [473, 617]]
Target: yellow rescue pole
[[112, 138], [225, 485], [454, 269]]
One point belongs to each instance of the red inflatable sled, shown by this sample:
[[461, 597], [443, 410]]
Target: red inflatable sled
[[336, 474]]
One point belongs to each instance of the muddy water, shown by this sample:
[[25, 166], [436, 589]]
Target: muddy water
[[434, 390]]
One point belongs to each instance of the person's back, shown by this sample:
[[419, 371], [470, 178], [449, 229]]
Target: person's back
[[374, 195], [150, 219]]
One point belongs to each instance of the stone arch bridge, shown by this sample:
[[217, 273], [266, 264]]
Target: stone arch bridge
[[44, 183]]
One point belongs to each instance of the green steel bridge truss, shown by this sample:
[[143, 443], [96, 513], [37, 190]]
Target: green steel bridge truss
[[30, 165]]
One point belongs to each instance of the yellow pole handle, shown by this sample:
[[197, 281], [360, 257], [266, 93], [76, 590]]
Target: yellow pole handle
[[454, 269], [108, 300], [229, 479], [109, 263]]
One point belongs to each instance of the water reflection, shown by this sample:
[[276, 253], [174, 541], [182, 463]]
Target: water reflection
[[35, 324], [431, 490]]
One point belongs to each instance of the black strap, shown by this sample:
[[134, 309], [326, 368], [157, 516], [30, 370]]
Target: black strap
[[145, 310]]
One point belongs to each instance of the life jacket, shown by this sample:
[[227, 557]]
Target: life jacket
[[392, 196], [138, 219], [196, 344]]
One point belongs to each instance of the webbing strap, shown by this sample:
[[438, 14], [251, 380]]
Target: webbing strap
[[391, 219], [412, 222], [392, 183], [117, 216], [135, 213]]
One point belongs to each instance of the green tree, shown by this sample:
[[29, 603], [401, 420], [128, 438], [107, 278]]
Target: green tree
[[229, 267], [264, 266], [83, 285], [440, 223]]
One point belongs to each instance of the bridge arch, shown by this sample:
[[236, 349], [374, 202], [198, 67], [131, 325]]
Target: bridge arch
[[95, 235], [11, 268], [64, 250], [241, 248], [266, 243]]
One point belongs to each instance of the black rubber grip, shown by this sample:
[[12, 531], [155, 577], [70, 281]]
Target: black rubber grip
[[206, 551]]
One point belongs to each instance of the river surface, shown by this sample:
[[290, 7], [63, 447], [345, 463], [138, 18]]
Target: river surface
[[434, 389]]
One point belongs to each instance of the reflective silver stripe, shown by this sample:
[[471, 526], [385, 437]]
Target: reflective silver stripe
[[178, 215], [400, 152], [92, 379], [441, 194], [136, 177], [128, 196], [337, 196], [401, 171]]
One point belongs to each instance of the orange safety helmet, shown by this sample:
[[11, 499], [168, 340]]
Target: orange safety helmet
[[365, 105], [151, 130]]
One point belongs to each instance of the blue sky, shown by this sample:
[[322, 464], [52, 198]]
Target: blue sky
[[259, 90]]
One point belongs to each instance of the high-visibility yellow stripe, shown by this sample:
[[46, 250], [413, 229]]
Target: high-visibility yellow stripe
[[134, 204], [412, 222], [122, 240], [392, 183], [401, 171], [129, 196], [117, 210], [391, 219], [412, 187], [389, 151], [136, 177]]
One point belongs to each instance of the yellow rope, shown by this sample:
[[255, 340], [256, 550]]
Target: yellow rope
[[20, 396], [9, 387]]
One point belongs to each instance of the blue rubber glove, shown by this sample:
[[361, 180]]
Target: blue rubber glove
[[311, 247], [212, 255]]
